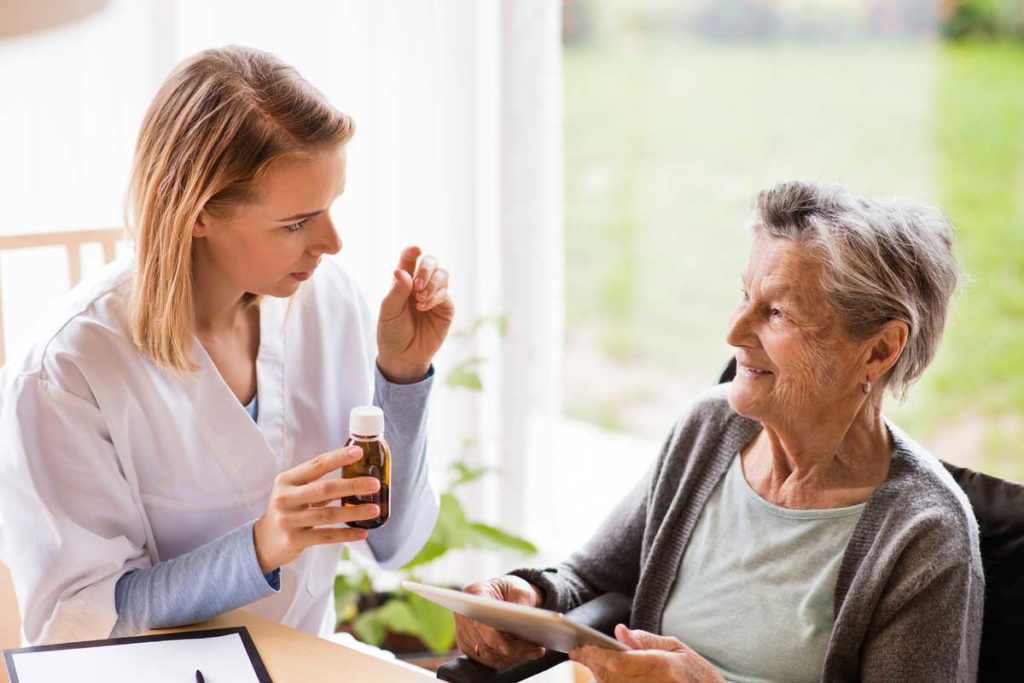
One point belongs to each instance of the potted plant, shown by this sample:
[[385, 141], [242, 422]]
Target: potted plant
[[405, 623], [412, 627]]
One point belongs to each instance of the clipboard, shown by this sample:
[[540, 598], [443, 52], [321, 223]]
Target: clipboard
[[29, 664]]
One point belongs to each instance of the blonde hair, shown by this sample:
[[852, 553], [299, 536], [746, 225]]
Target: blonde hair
[[215, 126]]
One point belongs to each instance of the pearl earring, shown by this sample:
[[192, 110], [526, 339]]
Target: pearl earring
[[866, 387]]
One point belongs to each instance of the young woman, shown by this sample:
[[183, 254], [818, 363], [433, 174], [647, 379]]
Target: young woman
[[171, 446]]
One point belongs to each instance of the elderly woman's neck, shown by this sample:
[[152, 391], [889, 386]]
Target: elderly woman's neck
[[827, 463]]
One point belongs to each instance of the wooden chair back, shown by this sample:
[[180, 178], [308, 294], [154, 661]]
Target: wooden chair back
[[72, 242]]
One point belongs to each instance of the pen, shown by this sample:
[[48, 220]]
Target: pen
[[199, 677]]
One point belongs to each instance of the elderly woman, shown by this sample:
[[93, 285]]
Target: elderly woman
[[788, 531]]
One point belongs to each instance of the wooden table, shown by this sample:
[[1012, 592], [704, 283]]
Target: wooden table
[[294, 656]]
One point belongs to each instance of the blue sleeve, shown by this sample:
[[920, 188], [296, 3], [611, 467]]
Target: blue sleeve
[[414, 505], [218, 577]]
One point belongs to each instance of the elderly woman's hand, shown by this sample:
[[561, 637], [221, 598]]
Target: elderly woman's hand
[[652, 659], [487, 645]]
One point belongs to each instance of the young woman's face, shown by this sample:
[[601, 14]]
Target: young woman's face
[[272, 244]]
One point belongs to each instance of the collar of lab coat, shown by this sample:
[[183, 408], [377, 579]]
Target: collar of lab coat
[[229, 427]]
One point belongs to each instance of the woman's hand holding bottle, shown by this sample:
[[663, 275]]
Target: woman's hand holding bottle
[[298, 507]]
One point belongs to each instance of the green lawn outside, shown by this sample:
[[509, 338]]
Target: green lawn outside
[[666, 144], [979, 138]]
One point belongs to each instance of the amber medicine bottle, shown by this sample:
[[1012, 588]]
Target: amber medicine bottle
[[366, 430]]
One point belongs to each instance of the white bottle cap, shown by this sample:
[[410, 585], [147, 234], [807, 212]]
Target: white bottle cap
[[366, 421]]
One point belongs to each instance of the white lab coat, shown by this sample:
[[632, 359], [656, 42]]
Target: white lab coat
[[111, 463]]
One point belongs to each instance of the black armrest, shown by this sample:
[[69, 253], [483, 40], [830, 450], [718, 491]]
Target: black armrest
[[601, 613]]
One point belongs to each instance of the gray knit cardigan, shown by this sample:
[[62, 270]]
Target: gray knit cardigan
[[909, 595]]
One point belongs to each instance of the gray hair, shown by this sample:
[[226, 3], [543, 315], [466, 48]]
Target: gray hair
[[883, 259]]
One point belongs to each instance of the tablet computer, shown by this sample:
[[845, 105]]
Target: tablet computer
[[552, 630]]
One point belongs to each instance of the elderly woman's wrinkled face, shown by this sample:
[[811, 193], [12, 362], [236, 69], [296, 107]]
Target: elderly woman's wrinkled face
[[794, 360]]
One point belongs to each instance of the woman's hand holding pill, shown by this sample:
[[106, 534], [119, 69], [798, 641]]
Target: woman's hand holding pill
[[415, 317]]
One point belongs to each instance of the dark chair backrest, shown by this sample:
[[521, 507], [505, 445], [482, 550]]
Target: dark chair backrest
[[999, 508]]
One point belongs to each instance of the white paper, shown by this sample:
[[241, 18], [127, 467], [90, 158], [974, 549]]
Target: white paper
[[222, 659]]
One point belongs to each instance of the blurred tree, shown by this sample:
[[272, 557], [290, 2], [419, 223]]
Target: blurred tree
[[982, 19], [577, 21]]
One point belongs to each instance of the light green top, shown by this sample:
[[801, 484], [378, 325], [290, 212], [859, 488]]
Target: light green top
[[756, 586]]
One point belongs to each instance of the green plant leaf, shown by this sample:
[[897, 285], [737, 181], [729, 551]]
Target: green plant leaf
[[395, 615], [369, 628], [411, 615], [346, 597], [486, 537], [500, 324], [435, 625], [435, 546], [464, 473], [348, 589], [452, 519], [465, 376], [450, 531]]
